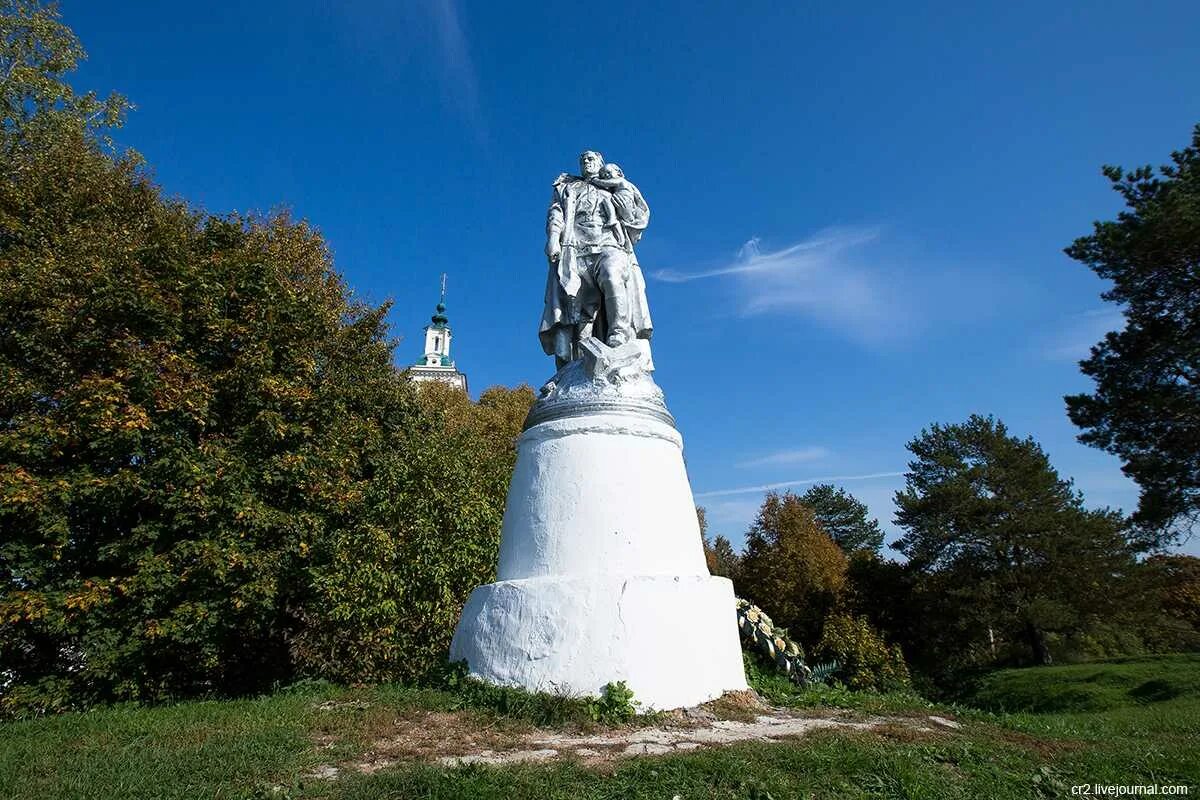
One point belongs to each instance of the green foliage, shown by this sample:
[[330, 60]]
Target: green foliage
[[882, 590], [765, 678], [36, 53], [823, 673], [212, 477], [614, 706], [721, 558], [791, 567], [1179, 576], [539, 708], [1175, 581], [845, 518], [865, 661], [1146, 405], [385, 597], [1003, 547], [192, 403]]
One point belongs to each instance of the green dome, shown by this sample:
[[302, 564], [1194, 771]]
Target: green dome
[[440, 318]]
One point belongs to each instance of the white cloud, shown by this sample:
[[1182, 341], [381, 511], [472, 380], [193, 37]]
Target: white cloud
[[768, 487], [795, 456], [1077, 334], [820, 277]]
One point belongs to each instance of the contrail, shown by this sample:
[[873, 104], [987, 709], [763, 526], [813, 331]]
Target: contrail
[[800, 482]]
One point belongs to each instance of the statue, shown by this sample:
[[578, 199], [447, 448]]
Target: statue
[[595, 286], [601, 574]]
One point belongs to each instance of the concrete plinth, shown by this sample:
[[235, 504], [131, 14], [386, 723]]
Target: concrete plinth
[[602, 575], [660, 634]]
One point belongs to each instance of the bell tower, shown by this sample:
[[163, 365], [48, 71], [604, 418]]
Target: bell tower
[[436, 364], [437, 335]]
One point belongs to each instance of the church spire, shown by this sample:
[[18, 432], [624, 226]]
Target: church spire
[[437, 364], [440, 317]]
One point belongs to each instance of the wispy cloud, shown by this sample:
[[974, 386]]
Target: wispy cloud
[[823, 276], [412, 44], [768, 487], [1079, 332], [458, 69], [795, 456]]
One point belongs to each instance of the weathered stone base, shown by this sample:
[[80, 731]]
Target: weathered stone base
[[672, 639]]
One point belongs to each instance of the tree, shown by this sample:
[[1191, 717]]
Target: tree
[[1146, 404], [210, 468], [36, 52], [844, 518], [1174, 580], [721, 558], [385, 589], [988, 518], [791, 567], [719, 554], [726, 561], [1181, 582]]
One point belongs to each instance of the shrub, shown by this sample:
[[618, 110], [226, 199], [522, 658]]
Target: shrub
[[865, 660], [615, 704]]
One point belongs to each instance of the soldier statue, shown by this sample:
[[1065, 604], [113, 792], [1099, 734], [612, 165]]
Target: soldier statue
[[595, 286]]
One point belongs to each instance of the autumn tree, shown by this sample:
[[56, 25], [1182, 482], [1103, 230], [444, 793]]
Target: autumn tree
[[1145, 407], [791, 568]]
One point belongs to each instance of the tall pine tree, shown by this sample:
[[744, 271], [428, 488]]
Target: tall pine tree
[[1146, 404]]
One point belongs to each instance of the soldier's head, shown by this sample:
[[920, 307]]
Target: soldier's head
[[590, 163]]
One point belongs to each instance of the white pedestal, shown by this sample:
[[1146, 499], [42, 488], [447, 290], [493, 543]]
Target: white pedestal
[[602, 575]]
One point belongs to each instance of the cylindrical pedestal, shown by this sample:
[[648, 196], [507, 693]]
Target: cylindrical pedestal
[[602, 575]]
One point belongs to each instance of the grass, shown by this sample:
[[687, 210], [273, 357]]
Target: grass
[[1095, 686], [1025, 734]]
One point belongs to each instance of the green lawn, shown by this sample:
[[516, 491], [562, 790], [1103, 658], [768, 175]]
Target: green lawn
[[1026, 734]]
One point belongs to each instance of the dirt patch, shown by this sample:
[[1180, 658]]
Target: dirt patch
[[741, 706], [904, 732], [459, 738], [429, 735], [1045, 748]]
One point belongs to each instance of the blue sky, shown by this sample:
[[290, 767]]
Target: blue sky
[[858, 212]]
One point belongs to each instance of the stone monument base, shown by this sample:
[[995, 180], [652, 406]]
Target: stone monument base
[[601, 575], [672, 639]]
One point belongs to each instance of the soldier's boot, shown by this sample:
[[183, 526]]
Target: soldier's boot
[[620, 329], [563, 347]]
